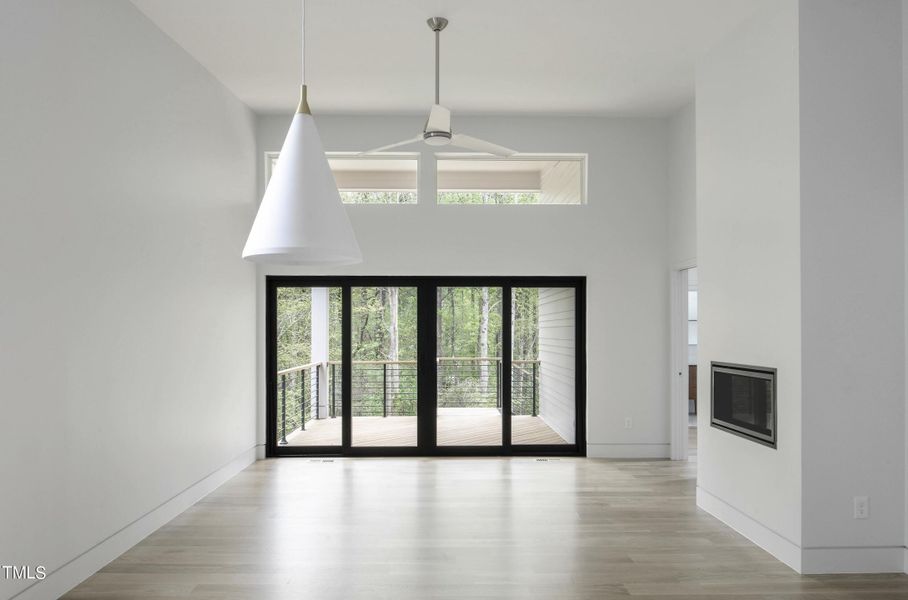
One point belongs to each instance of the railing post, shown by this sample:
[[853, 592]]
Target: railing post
[[283, 410], [498, 383], [302, 400], [318, 395], [384, 389], [333, 388], [535, 365]]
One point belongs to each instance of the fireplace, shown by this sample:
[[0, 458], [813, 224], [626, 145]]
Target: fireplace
[[744, 401]]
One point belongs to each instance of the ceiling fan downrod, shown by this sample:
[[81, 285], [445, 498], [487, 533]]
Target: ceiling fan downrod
[[437, 24]]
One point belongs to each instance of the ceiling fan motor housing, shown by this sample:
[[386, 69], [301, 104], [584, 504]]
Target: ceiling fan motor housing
[[437, 138]]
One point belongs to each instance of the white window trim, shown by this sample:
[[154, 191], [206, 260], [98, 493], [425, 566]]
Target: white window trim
[[271, 155], [582, 158]]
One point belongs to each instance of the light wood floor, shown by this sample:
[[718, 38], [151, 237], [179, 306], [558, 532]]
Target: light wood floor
[[456, 427], [408, 529]]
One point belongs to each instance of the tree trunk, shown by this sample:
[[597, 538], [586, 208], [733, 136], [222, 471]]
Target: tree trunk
[[393, 348], [453, 322], [516, 346], [439, 306], [484, 342]]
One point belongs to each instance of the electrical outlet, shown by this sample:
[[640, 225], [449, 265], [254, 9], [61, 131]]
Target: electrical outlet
[[861, 507], [628, 423]]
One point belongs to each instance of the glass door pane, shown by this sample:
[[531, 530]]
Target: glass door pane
[[469, 366], [384, 375], [308, 366], [543, 351]]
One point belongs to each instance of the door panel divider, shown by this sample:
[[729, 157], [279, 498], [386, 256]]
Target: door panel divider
[[346, 369], [426, 367], [506, 372]]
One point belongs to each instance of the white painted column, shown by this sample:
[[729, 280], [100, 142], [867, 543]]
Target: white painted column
[[320, 337]]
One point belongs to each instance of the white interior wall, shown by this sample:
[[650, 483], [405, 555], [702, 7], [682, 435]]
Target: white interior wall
[[905, 221], [800, 179], [557, 360], [618, 240], [682, 193], [749, 277], [853, 328], [127, 382]]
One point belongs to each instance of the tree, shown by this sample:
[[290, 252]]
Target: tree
[[394, 343], [484, 342]]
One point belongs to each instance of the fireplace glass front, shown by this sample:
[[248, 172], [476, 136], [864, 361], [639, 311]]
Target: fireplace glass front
[[744, 401]]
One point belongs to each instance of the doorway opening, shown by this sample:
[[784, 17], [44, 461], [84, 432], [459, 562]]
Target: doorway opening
[[692, 343], [684, 344]]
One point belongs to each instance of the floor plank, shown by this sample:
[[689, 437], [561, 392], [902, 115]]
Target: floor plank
[[420, 528]]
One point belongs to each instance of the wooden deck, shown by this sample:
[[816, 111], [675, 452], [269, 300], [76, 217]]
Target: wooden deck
[[456, 427]]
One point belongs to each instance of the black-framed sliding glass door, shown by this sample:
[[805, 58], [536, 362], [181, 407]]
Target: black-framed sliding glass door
[[469, 391], [422, 366], [384, 374]]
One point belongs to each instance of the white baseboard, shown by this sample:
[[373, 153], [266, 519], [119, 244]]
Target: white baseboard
[[887, 559], [807, 561], [657, 451], [782, 548], [78, 569]]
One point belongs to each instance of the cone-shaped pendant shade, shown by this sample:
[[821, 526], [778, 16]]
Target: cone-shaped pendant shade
[[301, 220]]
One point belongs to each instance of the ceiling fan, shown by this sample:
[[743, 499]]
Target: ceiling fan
[[437, 131]]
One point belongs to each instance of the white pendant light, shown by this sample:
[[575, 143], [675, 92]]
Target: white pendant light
[[301, 220]]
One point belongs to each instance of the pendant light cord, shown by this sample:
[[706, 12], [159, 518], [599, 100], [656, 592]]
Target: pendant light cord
[[303, 42], [304, 103]]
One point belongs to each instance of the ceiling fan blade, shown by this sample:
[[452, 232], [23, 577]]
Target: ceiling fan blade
[[439, 119], [394, 145], [471, 143]]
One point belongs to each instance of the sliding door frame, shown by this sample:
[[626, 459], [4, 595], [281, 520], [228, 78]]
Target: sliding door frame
[[427, 379]]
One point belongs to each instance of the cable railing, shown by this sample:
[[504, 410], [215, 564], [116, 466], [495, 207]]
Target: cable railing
[[383, 388], [469, 382], [525, 387], [388, 388], [299, 385]]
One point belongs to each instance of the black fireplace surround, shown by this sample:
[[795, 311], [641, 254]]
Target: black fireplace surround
[[744, 401]]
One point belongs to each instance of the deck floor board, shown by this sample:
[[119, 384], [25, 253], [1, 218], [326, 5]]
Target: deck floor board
[[472, 428]]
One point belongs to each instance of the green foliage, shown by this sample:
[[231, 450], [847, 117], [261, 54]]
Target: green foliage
[[462, 312], [371, 322], [378, 197], [489, 197], [459, 316], [294, 327], [525, 317]]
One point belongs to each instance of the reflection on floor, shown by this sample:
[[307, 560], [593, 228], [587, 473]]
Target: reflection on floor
[[449, 529], [692, 436], [456, 427]]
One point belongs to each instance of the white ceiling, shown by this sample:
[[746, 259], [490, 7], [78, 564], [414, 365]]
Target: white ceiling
[[582, 57]]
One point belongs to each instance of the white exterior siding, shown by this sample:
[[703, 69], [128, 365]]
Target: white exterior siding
[[557, 360]]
